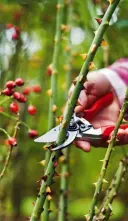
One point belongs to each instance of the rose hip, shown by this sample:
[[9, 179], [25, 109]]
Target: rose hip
[[17, 95], [36, 89], [7, 91], [10, 84], [27, 91], [14, 107], [12, 141], [19, 82], [31, 109], [32, 133], [22, 98]]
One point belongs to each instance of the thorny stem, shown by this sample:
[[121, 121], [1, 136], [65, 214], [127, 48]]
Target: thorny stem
[[53, 98], [64, 178], [38, 208], [107, 158], [106, 208], [9, 152]]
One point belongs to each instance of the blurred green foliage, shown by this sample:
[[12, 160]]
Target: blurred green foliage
[[36, 20]]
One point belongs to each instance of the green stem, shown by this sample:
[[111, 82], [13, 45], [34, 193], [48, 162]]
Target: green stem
[[6, 163], [63, 200], [53, 98], [9, 152], [106, 208], [107, 158], [38, 208]]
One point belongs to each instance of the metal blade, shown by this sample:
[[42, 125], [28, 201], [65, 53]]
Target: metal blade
[[71, 137], [50, 136]]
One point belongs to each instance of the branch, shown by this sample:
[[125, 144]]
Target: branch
[[70, 108], [64, 178], [53, 100], [106, 208], [107, 158], [9, 152]]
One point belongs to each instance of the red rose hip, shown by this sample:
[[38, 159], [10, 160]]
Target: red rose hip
[[7, 91], [27, 91], [19, 82], [31, 109], [32, 133], [36, 89], [17, 95], [14, 107], [12, 141], [10, 84]]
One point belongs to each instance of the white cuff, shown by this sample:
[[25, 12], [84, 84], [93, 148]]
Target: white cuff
[[116, 82]]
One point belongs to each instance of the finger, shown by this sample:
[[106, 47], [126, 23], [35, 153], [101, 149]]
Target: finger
[[85, 146]]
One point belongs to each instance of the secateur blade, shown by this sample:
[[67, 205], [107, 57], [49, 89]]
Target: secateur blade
[[71, 135], [50, 136]]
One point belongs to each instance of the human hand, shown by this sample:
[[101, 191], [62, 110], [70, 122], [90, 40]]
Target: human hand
[[96, 87]]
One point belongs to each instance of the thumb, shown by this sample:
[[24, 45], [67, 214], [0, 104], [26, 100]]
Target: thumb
[[84, 145]]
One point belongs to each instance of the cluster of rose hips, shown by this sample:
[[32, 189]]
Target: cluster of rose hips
[[20, 97], [16, 34], [9, 90]]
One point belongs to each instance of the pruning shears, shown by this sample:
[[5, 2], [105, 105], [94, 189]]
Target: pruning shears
[[80, 128]]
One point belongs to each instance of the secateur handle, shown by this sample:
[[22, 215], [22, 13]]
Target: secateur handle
[[99, 105]]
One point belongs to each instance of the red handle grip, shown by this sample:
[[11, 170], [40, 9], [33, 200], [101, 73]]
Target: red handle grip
[[108, 130], [99, 105]]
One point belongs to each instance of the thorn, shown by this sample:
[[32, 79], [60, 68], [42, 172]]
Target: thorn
[[95, 184], [62, 159], [59, 6], [91, 66], [44, 177], [64, 28], [56, 174], [83, 56], [99, 20], [43, 162], [95, 32], [110, 206], [96, 209], [64, 124], [104, 43], [86, 216], [111, 1], [101, 160], [103, 210], [125, 121], [105, 181], [93, 48], [49, 92], [33, 203], [49, 198], [48, 190], [54, 108], [45, 147], [28, 218], [80, 78], [60, 118]]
